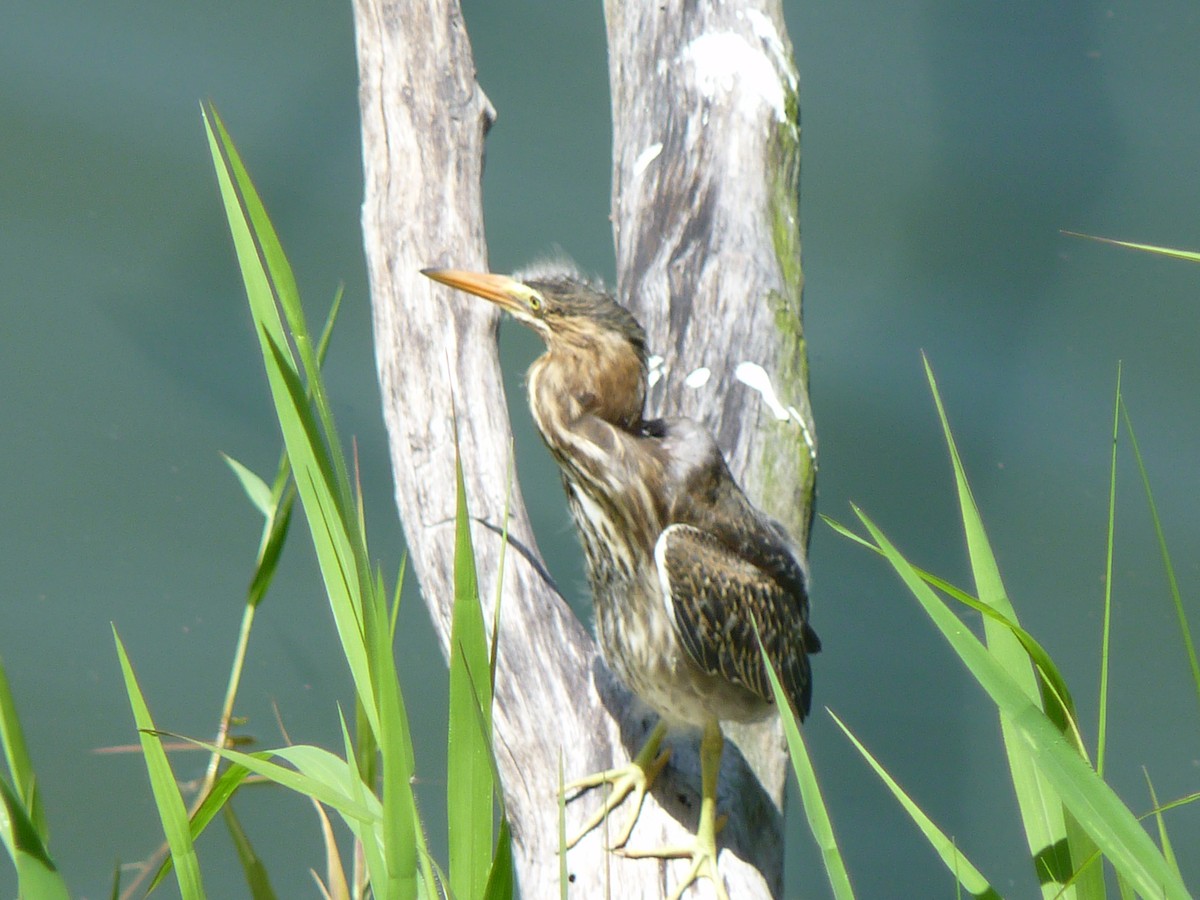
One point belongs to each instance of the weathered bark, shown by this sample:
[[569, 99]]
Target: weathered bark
[[706, 170], [424, 119]]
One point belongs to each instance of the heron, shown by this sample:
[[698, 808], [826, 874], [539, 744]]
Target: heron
[[687, 575]]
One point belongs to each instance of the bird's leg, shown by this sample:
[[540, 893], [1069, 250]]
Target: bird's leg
[[702, 853], [634, 778]]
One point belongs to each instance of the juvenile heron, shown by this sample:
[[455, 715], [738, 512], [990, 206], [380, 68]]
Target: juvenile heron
[[682, 565]]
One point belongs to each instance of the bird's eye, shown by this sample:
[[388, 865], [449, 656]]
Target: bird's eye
[[535, 303]]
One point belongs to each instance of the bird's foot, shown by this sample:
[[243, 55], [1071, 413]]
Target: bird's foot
[[702, 853], [634, 778]]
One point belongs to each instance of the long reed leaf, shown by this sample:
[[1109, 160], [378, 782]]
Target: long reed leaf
[[320, 473], [1189, 255], [1164, 839], [253, 870], [1048, 831], [1185, 631], [171, 809], [1056, 697], [959, 866], [218, 795], [37, 875], [810, 788], [393, 844], [371, 836], [1106, 628], [20, 764], [502, 877], [470, 784], [403, 833], [1098, 811]]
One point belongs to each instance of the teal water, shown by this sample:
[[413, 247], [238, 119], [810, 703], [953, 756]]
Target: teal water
[[945, 146]]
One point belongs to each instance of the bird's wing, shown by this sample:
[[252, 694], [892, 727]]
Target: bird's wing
[[714, 596]]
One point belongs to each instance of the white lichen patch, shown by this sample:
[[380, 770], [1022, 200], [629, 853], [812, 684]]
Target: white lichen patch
[[756, 378], [698, 378], [654, 374], [647, 156], [726, 63], [765, 30]]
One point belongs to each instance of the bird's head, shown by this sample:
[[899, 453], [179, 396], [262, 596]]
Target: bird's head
[[595, 360], [565, 308]]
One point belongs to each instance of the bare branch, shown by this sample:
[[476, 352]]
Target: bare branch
[[706, 165], [711, 281]]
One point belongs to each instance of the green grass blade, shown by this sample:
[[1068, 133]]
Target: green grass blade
[[470, 785], [171, 809], [403, 833], [274, 537], [37, 875], [502, 880], [1041, 809], [1056, 697], [277, 501], [1169, 567], [810, 789], [270, 282], [253, 869], [1164, 839], [960, 867], [1189, 255], [214, 801], [395, 845], [1059, 707], [329, 524], [318, 465], [317, 773], [394, 610], [1098, 811], [372, 841], [1173, 804], [257, 490], [1106, 628], [20, 764], [440, 889]]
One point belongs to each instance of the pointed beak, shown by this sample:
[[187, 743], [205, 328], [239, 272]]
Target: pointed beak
[[505, 292]]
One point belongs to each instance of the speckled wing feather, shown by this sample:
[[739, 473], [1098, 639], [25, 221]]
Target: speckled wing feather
[[715, 593]]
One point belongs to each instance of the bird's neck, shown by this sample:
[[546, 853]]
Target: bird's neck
[[570, 388], [588, 409]]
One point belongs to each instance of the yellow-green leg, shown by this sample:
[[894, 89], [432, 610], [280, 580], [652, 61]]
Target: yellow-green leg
[[702, 853], [634, 778]]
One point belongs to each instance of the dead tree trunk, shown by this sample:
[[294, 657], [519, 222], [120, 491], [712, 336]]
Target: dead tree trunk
[[706, 171], [704, 204]]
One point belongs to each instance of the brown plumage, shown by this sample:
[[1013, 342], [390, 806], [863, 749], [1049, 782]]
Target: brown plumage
[[681, 564]]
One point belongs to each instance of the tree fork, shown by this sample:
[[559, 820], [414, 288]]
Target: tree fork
[[707, 256]]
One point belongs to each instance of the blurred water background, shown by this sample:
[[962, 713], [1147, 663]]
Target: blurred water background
[[945, 145]]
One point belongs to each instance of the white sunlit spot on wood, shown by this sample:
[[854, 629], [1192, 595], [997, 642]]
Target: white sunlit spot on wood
[[756, 378], [654, 370], [765, 30], [647, 156], [728, 65]]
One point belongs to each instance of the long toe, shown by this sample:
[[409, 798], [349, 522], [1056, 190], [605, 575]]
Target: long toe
[[703, 857], [635, 778]]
